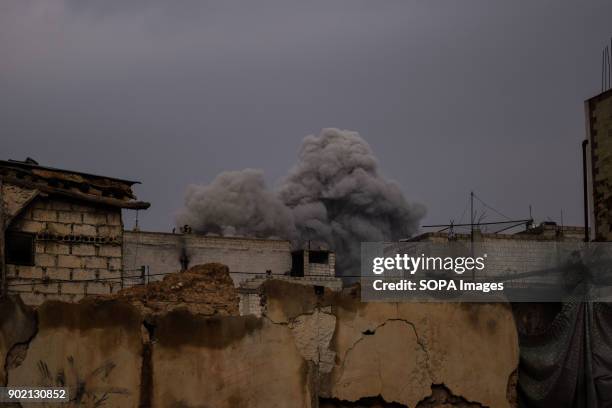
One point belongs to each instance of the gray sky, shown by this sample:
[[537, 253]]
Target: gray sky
[[451, 95]]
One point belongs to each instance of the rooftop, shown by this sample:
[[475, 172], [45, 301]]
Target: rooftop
[[546, 231], [71, 184]]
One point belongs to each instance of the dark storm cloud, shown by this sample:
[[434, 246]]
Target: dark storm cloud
[[451, 95]]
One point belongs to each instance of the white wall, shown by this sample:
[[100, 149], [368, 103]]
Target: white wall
[[162, 252]]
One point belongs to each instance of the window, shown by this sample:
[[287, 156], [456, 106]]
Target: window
[[19, 248], [318, 257]]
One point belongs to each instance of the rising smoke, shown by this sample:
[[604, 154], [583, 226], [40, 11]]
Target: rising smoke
[[334, 195], [237, 203]]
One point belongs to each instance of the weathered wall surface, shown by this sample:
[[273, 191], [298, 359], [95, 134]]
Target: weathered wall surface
[[399, 350], [17, 326], [162, 253], [95, 349], [599, 127], [514, 254], [308, 349], [77, 251], [238, 361]]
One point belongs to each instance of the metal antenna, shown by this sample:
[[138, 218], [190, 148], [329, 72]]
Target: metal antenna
[[472, 216]]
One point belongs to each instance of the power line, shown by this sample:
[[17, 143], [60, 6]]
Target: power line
[[491, 208], [34, 281]]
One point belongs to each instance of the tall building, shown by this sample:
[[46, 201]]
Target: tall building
[[598, 111]]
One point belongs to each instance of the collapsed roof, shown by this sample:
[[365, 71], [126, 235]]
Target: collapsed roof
[[75, 185]]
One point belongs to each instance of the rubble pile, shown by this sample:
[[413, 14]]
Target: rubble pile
[[203, 289]]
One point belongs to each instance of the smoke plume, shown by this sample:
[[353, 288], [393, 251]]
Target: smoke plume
[[334, 195], [237, 203]]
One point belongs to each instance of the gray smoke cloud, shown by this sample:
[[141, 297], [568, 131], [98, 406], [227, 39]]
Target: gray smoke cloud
[[334, 195], [237, 203]]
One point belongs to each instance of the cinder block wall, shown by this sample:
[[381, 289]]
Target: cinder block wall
[[320, 269], [161, 252], [78, 251], [515, 254]]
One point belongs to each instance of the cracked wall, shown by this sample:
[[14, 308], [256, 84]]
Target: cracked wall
[[398, 350], [472, 349], [308, 349], [234, 361], [93, 348], [17, 326]]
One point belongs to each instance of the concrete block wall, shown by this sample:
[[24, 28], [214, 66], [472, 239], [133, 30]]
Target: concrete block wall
[[600, 129], [162, 252], [78, 251], [251, 296], [517, 254], [250, 304], [318, 269]]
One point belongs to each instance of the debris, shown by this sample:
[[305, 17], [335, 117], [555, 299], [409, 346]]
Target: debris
[[203, 289]]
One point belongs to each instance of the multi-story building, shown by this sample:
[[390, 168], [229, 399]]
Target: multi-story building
[[63, 238], [61, 231], [598, 111]]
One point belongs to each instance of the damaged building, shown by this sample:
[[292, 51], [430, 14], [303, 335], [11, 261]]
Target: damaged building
[[61, 231], [251, 261], [63, 237], [597, 155]]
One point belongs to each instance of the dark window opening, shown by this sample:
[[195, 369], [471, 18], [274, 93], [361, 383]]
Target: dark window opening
[[318, 257], [19, 248], [297, 264]]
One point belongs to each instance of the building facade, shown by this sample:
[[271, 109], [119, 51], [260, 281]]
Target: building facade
[[149, 256], [61, 232], [159, 253], [521, 255], [62, 238], [599, 164]]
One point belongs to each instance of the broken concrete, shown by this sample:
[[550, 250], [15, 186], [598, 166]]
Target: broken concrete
[[440, 397], [398, 350], [313, 334], [310, 348], [203, 289]]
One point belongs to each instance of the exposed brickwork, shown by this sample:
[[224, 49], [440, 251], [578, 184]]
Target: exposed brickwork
[[77, 250]]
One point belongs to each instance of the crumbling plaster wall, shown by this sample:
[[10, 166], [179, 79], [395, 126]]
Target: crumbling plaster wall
[[306, 349], [237, 361], [399, 350], [94, 349], [17, 326]]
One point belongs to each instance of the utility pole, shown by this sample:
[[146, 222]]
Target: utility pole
[[472, 230], [472, 217]]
